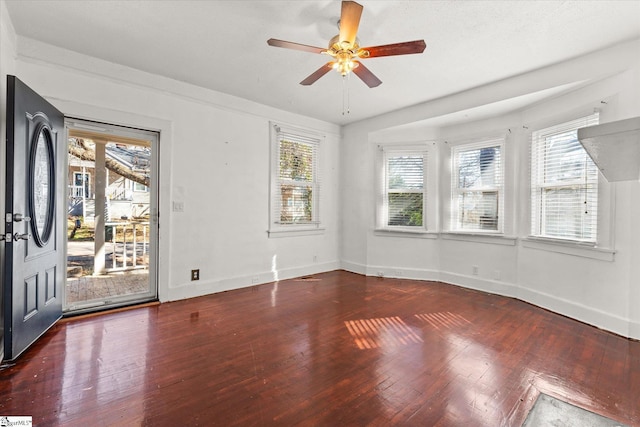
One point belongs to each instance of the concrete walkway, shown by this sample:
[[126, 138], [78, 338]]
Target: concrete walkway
[[75, 249]]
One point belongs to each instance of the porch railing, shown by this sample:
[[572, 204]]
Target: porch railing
[[130, 250]]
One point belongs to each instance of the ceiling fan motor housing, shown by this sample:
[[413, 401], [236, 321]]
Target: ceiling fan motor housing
[[344, 54]]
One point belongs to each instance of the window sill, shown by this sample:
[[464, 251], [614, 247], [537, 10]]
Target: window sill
[[295, 232], [494, 239], [416, 234], [569, 248]]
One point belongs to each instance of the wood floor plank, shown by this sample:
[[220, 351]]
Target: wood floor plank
[[333, 349]]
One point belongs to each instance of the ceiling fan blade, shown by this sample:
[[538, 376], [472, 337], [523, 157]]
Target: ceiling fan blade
[[349, 22], [404, 48], [317, 74], [295, 46], [366, 76]]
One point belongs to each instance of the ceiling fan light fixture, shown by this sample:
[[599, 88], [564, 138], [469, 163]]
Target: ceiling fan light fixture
[[344, 63]]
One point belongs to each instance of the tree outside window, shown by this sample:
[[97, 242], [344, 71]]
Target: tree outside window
[[295, 184]]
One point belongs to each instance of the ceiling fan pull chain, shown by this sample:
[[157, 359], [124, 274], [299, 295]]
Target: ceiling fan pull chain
[[345, 94], [348, 94]]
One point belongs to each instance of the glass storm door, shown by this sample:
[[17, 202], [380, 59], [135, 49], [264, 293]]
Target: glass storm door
[[112, 220]]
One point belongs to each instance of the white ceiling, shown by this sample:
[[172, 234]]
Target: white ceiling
[[221, 45]]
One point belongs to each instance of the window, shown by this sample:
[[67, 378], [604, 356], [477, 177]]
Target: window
[[295, 184], [81, 185], [564, 184], [477, 187], [140, 187], [403, 196]]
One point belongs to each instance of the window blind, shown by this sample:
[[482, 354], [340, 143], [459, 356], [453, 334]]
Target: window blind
[[477, 187], [404, 189], [564, 183], [296, 194]]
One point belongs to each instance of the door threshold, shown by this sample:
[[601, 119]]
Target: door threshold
[[76, 316]]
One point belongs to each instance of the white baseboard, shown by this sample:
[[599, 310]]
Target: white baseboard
[[354, 267], [394, 272], [403, 273], [480, 284], [589, 315], [634, 330], [205, 287]]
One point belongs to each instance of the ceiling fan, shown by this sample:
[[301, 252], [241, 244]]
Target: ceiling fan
[[345, 49]]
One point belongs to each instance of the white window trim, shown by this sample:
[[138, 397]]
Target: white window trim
[[277, 229], [604, 249], [495, 239], [605, 202], [424, 234], [135, 190], [295, 232], [569, 247], [76, 173], [428, 213], [87, 182], [468, 145]]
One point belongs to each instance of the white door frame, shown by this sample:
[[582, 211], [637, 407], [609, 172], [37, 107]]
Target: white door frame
[[103, 133], [165, 129]]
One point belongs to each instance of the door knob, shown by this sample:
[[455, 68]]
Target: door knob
[[19, 217], [24, 236]]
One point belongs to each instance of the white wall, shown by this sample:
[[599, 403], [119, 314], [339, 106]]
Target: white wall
[[214, 158], [214, 146], [600, 286]]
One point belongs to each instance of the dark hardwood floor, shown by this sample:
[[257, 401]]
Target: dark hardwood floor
[[335, 349]]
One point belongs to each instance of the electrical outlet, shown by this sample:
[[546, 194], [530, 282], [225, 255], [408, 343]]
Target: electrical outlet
[[178, 206], [380, 273], [195, 274], [254, 280], [474, 270], [496, 274]]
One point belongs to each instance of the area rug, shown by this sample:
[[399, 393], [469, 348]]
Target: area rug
[[549, 411]]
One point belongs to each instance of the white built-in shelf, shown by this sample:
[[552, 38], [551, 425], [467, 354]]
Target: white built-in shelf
[[615, 148]]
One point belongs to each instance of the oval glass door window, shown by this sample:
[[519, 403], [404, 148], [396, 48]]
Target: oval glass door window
[[42, 188]]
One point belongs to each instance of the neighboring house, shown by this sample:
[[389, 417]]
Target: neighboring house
[[126, 199]]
